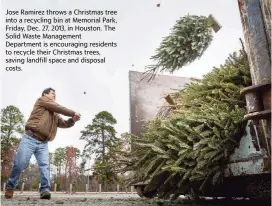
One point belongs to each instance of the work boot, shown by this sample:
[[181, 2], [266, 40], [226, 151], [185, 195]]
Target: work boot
[[45, 195], [9, 193]]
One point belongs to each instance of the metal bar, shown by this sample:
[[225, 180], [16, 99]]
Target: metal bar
[[262, 137], [256, 40], [4, 187], [266, 11], [71, 188], [23, 186], [244, 14], [252, 157], [269, 134], [256, 21]]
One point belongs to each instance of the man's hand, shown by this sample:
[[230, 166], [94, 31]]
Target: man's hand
[[76, 117]]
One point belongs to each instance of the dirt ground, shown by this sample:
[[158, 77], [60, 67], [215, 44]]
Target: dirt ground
[[111, 199]]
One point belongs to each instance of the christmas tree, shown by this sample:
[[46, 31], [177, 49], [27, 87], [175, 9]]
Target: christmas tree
[[189, 149], [189, 39]]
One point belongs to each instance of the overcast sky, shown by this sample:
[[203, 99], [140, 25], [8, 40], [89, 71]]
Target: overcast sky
[[141, 26]]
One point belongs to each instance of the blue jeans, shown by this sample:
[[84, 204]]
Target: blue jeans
[[27, 147]]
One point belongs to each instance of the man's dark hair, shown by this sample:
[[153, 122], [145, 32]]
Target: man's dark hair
[[47, 91]]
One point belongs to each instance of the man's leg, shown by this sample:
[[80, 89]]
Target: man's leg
[[42, 156], [25, 150]]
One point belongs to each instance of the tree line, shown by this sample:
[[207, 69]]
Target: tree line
[[69, 165]]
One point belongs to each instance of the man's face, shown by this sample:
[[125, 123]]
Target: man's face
[[51, 95]]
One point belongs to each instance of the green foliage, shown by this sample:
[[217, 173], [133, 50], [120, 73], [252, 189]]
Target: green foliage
[[189, 39], [12, 123], [82, 166], [99, 135], [189, 150], [59, 158], [105, 172], [106, 169], [101, 140]]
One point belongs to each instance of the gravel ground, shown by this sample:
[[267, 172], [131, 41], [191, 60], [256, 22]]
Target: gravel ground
[[78, 199], [113, 199], [74, 201]]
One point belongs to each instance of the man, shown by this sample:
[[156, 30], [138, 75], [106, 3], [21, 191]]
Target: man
[[40, 128]]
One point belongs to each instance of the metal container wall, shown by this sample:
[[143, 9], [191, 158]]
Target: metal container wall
[[146, 98]]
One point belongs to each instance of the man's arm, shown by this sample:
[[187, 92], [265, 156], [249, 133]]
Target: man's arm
[[65, 123], [54, 107]]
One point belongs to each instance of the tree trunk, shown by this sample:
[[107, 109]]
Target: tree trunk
[[103, 155], [58, 171], [66, 182], [103, 145]]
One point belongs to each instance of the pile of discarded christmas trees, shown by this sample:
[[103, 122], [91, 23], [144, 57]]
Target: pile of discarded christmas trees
[[187, 147]]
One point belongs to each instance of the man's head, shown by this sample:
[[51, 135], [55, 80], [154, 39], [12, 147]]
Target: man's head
[[50, 93]]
